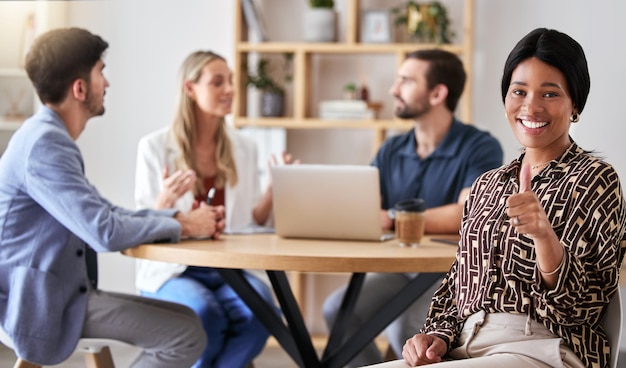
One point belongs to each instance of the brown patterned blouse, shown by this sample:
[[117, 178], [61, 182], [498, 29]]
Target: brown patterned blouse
[[495, 267]]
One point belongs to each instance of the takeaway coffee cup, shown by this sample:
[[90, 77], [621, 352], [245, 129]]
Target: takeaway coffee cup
[[410, 221]]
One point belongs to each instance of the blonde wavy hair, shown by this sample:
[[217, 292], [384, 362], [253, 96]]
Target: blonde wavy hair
[[183, 129]]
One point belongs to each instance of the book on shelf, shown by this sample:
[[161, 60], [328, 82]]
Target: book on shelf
[[347, 115], [343, 105], [345, 110]]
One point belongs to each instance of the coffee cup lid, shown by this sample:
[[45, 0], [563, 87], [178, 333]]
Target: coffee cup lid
[[411, 205]]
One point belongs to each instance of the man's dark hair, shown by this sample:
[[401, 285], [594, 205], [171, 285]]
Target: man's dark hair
[[59, 57], [558, 50], [443, 68]]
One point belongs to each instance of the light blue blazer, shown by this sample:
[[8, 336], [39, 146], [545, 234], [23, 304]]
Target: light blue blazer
[[48, 212]]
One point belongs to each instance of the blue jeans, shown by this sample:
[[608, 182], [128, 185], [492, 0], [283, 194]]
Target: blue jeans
[[235, 336]]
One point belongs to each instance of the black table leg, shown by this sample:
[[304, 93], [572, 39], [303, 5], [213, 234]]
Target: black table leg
[[264, 312], [340, 355], [295, 322], [295, 338], [345, 312]]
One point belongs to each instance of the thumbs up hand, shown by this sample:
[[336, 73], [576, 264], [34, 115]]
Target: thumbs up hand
[[525, 211]]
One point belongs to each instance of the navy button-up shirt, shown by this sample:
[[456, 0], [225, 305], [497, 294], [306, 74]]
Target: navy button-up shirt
[[463, 154]]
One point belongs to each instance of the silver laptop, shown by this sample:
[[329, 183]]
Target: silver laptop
[[327, 202]]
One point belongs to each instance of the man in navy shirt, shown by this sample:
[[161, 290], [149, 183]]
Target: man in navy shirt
[[437, 161]]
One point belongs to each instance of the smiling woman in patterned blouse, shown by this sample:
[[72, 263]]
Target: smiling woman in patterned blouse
[[539, 255]]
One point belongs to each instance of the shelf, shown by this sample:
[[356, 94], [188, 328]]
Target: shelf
[[9, 125], [13, 72], [342, 48], [293, 123]]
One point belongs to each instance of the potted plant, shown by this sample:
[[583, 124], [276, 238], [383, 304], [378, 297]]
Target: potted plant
[[425, 22], [320, 21], [322, 3], [272, 93], [349, 91]]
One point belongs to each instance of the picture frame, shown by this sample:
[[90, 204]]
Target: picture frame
[[375, 26]]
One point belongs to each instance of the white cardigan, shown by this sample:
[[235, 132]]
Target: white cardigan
[[156, 150]]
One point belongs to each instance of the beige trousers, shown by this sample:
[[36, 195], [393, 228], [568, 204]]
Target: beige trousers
[[504, 340]]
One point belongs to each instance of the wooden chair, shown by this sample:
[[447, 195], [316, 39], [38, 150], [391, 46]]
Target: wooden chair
[[95, 351]]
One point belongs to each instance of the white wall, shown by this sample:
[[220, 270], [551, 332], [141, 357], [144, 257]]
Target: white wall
[[150, 38], [500, 24]]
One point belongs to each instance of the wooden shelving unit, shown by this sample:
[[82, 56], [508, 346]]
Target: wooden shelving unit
[[18, 99], [14, 82], [303, 53]]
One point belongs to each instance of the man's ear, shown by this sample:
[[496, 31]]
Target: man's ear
[[439, 94], [79, 90]]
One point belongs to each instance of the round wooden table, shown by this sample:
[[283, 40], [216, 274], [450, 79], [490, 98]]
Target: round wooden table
[[271, 252], [233, 253]]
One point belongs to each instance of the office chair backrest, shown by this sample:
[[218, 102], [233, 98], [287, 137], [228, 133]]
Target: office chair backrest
[[612, 323]]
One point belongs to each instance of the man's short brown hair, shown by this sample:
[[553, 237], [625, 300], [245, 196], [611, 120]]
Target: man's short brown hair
[[59, 57]]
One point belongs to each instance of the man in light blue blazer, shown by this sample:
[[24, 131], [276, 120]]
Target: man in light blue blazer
[[50, 215]]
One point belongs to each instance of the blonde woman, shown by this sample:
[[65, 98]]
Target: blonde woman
[[176, 168]]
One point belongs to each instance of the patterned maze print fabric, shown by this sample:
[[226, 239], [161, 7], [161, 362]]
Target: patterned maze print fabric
[[495, 270]]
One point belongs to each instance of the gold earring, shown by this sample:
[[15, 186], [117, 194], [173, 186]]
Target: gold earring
[[575, 117]]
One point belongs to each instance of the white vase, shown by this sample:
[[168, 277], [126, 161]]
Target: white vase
[[320, 25]]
